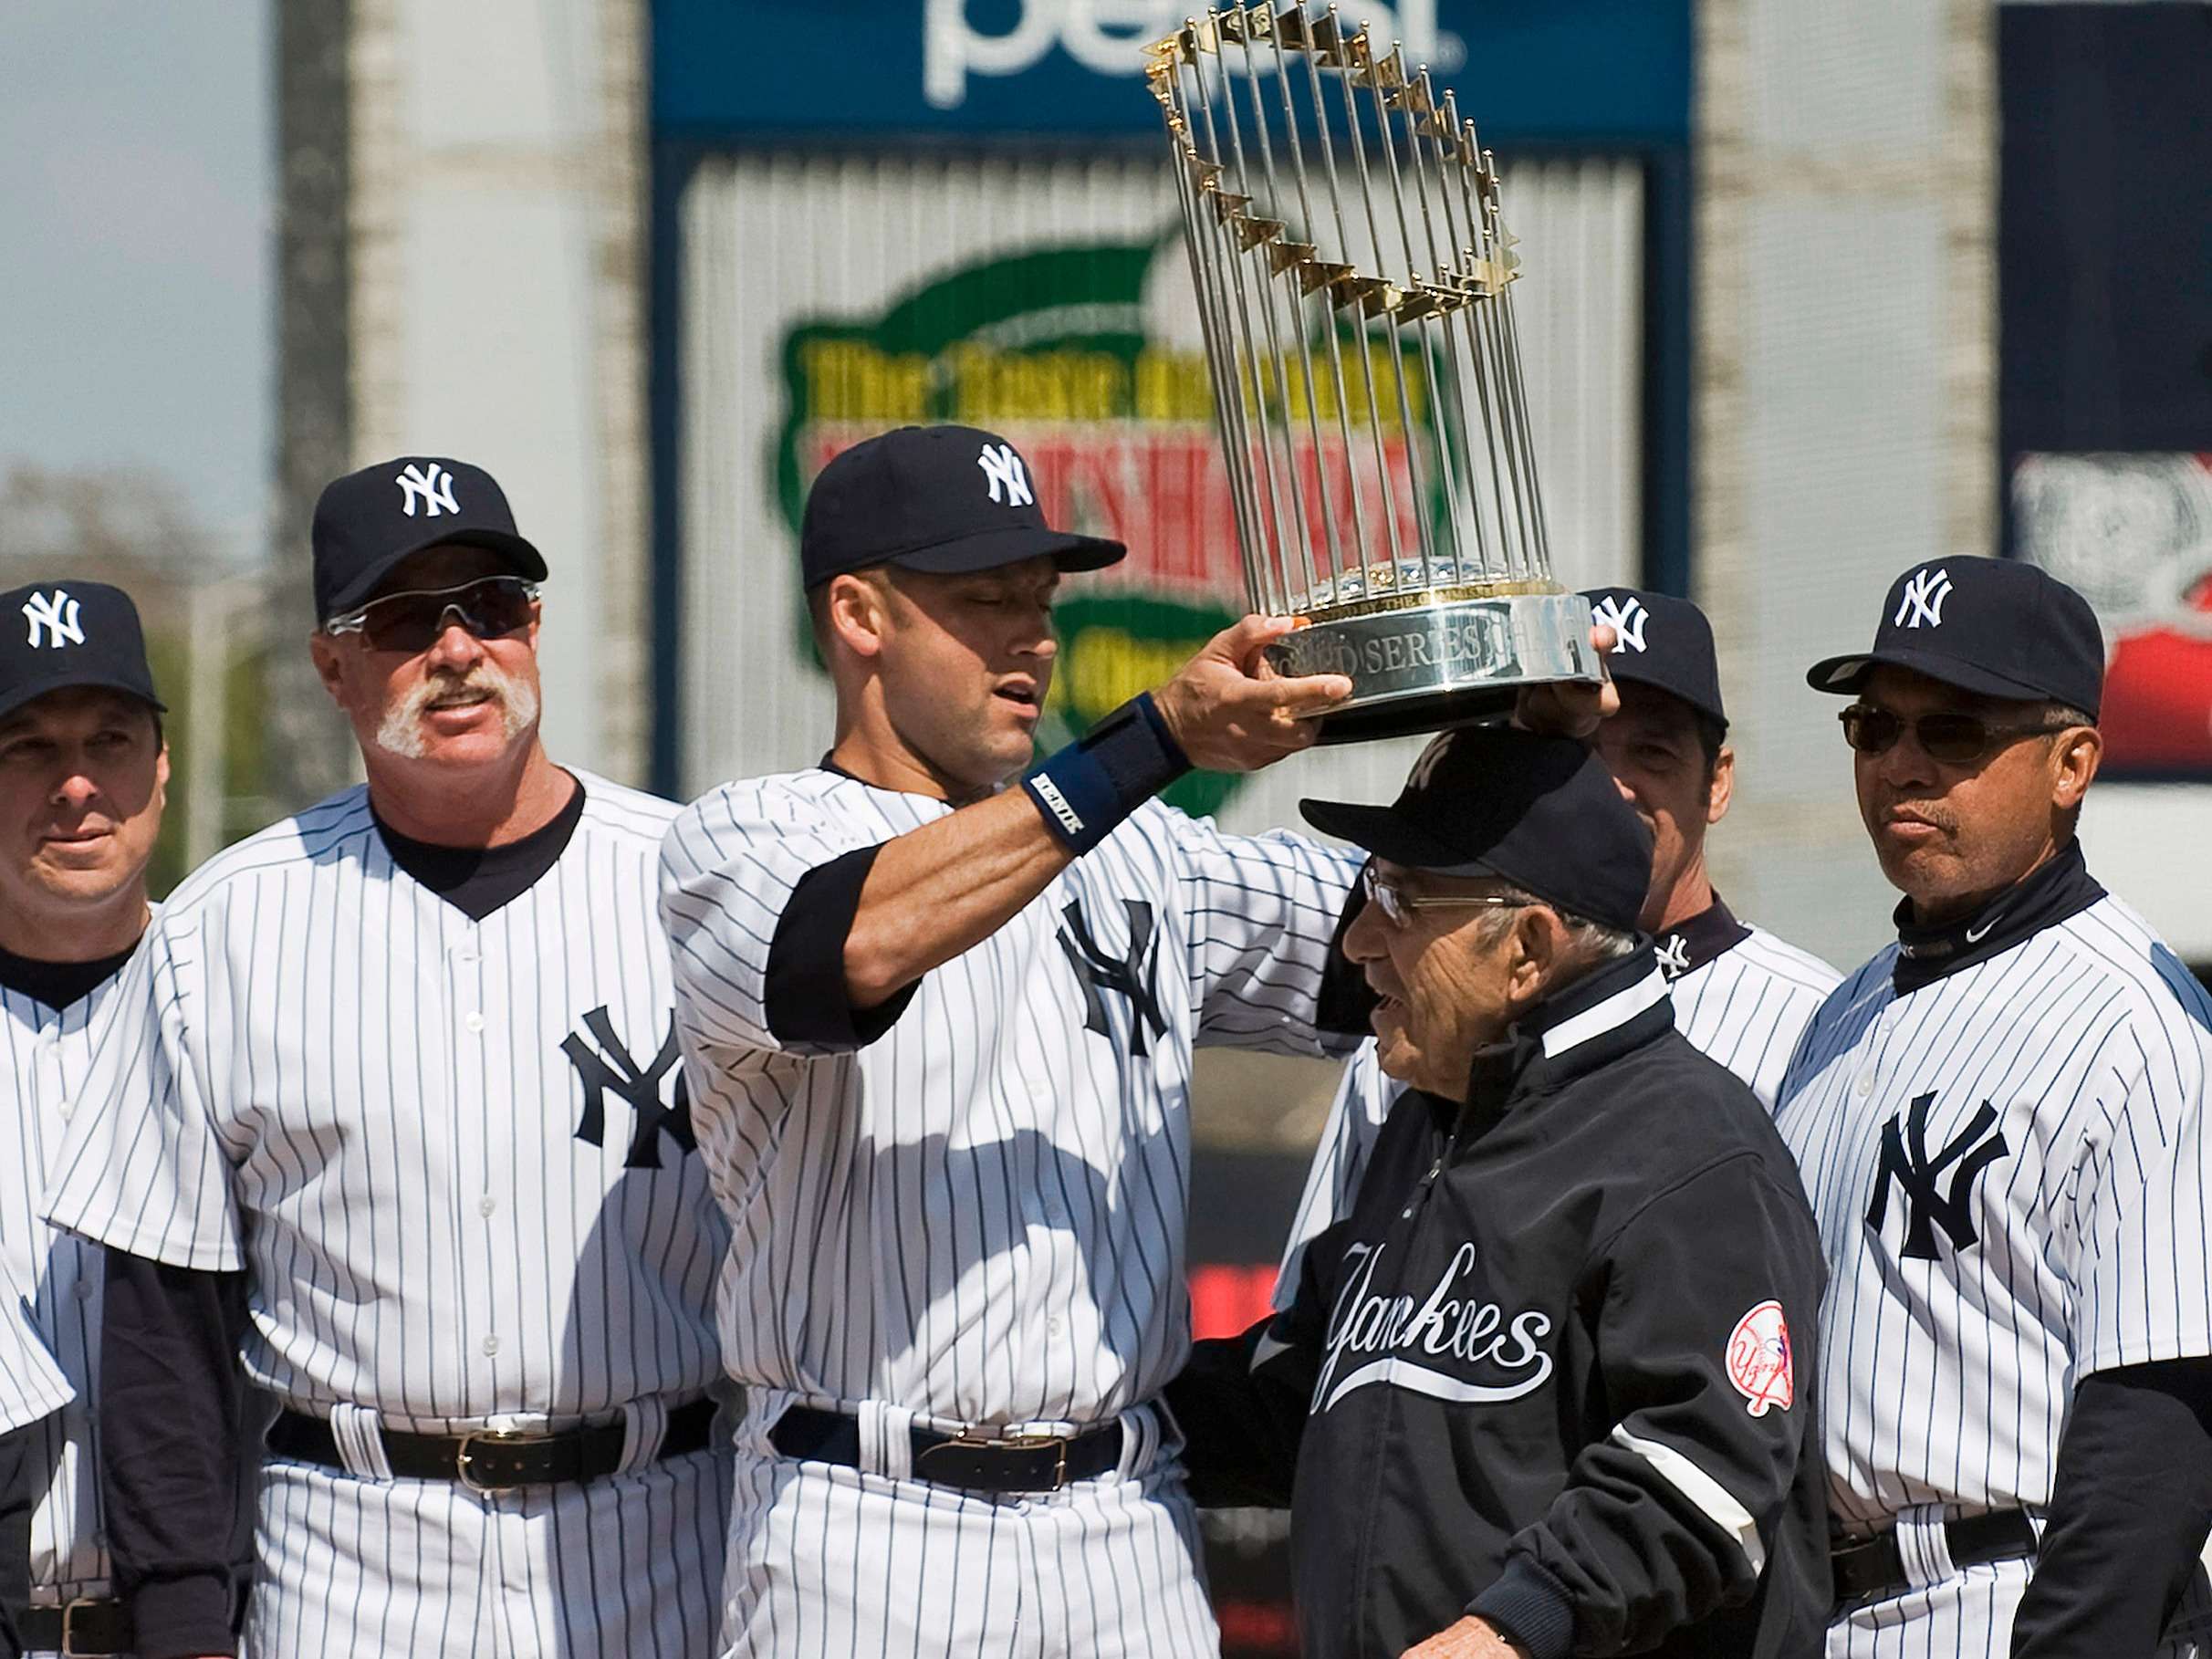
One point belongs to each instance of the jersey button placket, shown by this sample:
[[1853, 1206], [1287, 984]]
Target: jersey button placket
[[1870, 1057], [481, 1254]]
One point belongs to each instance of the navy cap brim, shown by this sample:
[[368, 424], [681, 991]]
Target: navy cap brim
[[25, 694], [526, 560], [1384, 832], [990, 549], [1844, 676]]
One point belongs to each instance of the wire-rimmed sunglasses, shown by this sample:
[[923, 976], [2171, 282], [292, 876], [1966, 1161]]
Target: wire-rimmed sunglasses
[[1956, 740], [1398, 906], [488, 608]]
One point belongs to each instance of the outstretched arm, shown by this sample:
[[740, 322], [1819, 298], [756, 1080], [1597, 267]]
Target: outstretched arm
[[943, 889]]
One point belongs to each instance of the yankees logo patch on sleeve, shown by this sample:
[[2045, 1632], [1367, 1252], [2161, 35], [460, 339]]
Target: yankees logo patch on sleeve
[[1759, 1360]]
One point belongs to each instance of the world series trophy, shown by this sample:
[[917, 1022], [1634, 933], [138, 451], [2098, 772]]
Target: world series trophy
[[1355, 298]]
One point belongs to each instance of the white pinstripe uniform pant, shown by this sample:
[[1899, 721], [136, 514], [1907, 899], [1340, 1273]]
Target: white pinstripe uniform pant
[[351, 1566], [827, 1562], [1947, 1611]]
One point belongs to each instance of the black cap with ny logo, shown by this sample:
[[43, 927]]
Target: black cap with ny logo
[[2000, 626], [368, 522], [59, 635]]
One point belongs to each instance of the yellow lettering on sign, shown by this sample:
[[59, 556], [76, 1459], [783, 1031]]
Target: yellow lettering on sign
[[992, 386], [849, 380], [1173, 386], [1378, 394]]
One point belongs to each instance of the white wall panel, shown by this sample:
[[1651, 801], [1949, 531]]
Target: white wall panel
[[498, 277], [1846, 387]]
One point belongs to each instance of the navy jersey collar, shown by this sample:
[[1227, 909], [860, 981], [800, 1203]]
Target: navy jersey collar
[[1688, 945], [1623, 1005], [2060, 888], [58, 984]]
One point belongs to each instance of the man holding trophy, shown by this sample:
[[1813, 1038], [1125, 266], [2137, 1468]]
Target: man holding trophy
[[937, 1032], [937, 1026]]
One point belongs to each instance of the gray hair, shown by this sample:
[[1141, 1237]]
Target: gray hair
[[1589, 943]]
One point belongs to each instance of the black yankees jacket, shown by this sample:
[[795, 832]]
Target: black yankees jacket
[[1546, 1371]]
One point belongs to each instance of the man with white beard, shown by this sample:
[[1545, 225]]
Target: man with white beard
[[350, 1132]]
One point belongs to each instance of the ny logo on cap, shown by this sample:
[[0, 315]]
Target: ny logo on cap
[[1431, 758], [1001, 466], [1626, 622], [1922, 602], [56, 615], [434, 488]]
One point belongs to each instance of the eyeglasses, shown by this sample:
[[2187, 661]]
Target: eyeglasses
[[1956, 740], [1397, 905], [489, 606]]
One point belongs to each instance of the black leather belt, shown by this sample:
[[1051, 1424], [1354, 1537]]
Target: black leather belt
[[85, 1626], [496, 1461], [1874, 1570], [1025, 1463]]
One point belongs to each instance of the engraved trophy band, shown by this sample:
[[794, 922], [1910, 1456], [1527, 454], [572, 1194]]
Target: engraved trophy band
[[1354, 286]]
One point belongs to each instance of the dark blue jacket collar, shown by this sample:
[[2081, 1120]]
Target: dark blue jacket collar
[[2059, 888], [1622, 1006]]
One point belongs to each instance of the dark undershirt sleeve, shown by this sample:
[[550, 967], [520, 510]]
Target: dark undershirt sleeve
[[805, 999], [2130, 1507], [17, 1499], [172, 1402]]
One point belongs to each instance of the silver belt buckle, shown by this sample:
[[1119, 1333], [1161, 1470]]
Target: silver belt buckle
[[971, 1442], [465, 1460]]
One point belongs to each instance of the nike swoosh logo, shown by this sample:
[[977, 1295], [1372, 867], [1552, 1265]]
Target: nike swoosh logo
[[1975, 935]]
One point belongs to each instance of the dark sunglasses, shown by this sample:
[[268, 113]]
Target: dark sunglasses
[[1956, 740], [489, 608]]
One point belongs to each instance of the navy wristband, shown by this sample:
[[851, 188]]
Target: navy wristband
[[1103, 777]]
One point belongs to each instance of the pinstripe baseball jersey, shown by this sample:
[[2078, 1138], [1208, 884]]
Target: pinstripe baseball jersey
[[2008, 1168], [45, 1056], [1742, 997], [453, 1153], [977, 1213], [32, 1382], [1746, 1005]]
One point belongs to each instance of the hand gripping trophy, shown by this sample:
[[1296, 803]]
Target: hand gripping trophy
[[1355, 296]]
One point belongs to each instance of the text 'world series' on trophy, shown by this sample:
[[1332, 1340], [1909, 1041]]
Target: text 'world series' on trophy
[[1354, 286]]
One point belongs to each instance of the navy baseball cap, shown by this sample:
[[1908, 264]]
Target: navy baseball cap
[[1540, 812], [1660, 641], [1997, 626], [58, 635], [947, 499], [367, 522]]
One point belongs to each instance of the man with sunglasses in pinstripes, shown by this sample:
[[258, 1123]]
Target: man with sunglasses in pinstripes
[[1999, 1120], [389, 1119]]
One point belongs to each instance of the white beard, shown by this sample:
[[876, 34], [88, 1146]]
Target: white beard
[[401, 732]]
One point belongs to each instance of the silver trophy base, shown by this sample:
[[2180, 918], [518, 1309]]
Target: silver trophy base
[[1421, 668]]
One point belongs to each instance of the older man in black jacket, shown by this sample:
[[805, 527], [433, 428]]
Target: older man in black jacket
[[1540, 1392]]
